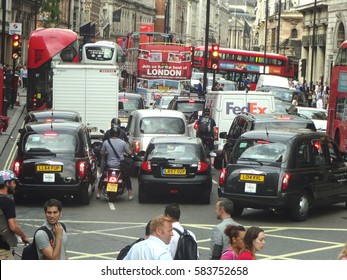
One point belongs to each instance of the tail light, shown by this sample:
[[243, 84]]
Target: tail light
[[202, 166], [216, 133], [137, 146], [16, 167], [285, 181], [196, 125], [222, 176], [82, 169], [146, 166], [112, 179]]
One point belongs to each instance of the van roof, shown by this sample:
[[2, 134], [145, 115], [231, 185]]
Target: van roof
[[272, 81], [159, 113]]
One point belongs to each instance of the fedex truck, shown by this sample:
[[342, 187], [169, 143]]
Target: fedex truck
[[91, 90], [225, 105]]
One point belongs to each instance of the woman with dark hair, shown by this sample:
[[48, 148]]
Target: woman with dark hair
[[254, 241], [236, 235]]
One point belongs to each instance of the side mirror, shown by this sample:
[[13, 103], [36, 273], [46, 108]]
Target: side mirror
[[120, 105], [223, 135], [141, 153], [102, 131]]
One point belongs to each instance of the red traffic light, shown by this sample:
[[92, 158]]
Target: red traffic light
[[16, 47], [15, 37]]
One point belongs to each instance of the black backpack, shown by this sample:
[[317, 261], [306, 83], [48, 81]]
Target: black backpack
[[205, 126], [187, 248], [126, 249], [30, 252]]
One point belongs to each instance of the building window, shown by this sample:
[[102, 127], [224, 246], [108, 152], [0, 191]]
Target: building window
[[340, 35], [294, 33]]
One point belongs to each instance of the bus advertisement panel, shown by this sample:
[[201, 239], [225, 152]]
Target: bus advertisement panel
[[163, 68]]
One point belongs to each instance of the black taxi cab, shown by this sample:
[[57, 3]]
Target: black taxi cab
[[282, 170], [55, 158]]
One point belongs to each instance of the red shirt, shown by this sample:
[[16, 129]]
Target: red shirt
[[246, 255]]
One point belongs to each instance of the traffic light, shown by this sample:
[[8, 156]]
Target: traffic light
[[214, 56], [303, 67], [16, 47]]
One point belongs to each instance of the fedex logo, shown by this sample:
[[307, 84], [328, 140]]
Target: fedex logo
[[250, 108]]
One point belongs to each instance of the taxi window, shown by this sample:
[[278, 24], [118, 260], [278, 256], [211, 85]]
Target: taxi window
[[303, 156], [333, 153]]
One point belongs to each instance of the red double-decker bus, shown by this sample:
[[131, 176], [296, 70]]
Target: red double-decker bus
[[155, 65], [237, 65], [47, 46], [337, 107]]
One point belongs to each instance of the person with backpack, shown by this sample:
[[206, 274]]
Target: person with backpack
[[155, 246], [183, 244], [9, 226], [205, 131], [52, 248], [126, 249]]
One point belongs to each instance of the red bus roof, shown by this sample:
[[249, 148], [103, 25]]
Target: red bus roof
[[243, 52], [44, 43]]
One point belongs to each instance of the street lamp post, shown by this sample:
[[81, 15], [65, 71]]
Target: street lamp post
[[206, 45], [279, 26], [265, 43], [313, 42]]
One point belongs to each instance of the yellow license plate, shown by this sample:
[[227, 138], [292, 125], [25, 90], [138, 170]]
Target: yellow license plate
[[49, 168], [252, 178], [123, 119], [111, 187], [174, 171]]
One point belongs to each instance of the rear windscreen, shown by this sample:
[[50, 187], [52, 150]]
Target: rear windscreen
[[162, 125], [190, 106], [176, 152], [50, 142], [284, 125]]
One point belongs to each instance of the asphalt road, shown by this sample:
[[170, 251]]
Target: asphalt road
[[101, 229]]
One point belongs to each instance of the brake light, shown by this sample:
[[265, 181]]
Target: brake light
[[16, 167], [222, 176], [124, 99], [191, 101], [216, 132], [146, 166], [285, 181], [50, 134], [263, 142], [202, 166], [196, 125], [112, 179], [81, 169], [136, 146], [316, 145]]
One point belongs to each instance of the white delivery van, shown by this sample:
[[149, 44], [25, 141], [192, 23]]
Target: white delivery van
[[225, 105], [266, 81]]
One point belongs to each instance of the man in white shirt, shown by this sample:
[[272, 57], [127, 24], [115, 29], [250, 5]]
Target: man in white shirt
[[319, 104], [155, 246], [173, 211]]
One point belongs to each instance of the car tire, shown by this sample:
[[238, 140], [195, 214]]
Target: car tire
[[85, 198], [142, 197], [237, 211], [300, 211], [205, 199]]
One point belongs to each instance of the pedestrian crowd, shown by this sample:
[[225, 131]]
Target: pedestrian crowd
[[165, 238]]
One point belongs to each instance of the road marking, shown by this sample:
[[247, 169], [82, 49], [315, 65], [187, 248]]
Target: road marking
[[112, 207], [214, 181]]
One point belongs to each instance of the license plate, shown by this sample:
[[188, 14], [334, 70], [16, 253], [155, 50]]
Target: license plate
[[252, 178], [174, 171], [250, 187], [124, 120], [48, 177], [49, 168], [111, 187]]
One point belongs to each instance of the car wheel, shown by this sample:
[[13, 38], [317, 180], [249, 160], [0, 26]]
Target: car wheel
[[142, 197], [300, 211], [85, 198], [237, 211], [205, 199]]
